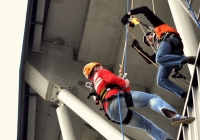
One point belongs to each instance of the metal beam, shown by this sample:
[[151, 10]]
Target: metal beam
[[65, 123], [185, 6]]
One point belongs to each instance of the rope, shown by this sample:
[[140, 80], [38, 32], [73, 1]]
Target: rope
[[124, 58], [131, 4], [124, 69], [153, 7], [122, 66]]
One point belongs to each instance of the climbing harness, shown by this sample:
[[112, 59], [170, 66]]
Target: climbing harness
[[173, 46], [100, 99]]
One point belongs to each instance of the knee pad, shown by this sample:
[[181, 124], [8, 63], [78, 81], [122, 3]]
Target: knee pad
[[128, 117]]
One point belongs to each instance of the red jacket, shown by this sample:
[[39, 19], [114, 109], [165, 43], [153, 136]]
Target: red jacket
[[104, 77]]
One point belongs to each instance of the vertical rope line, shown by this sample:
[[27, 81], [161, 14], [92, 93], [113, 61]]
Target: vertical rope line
[[153, 7], [124, 64], [125, 48], [131, 4], [126, 39]]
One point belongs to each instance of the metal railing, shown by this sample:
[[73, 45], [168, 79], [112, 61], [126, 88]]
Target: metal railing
[[192, 106], [188, 6]]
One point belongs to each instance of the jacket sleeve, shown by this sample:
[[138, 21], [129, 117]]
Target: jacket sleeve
[[155, 21], [111, 78], [151, 57]]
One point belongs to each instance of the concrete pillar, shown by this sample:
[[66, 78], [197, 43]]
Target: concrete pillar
[[185, 28]]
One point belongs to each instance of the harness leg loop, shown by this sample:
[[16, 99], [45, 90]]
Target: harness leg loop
[[128, 117]]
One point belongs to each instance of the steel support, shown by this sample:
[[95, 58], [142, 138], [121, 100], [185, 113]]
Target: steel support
[[96, 121], [65, 123]]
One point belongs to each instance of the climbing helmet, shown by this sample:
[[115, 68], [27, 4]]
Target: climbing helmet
[[87, 70]]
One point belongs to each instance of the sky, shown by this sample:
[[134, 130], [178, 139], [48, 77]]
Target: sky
[[12, 13]]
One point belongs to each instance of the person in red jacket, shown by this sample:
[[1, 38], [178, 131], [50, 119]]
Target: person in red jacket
[[169, 47], [110, 92]]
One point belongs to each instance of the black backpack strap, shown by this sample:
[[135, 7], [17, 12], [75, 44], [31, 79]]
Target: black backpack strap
[[126, 120], [128, 117], [127, 97], [110, 119], [103, 93], [128, 100], [129, 103], [173, 46]]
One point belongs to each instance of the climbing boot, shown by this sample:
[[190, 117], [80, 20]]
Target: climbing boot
[[189, 60], [184, 96], [182, 120]]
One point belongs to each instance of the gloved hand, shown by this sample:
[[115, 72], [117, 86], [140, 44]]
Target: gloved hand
[[127, 83], [131, 25], [124, 19], [136, 44]]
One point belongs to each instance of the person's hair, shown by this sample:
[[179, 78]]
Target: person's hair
[[92, 72], [146, 42]]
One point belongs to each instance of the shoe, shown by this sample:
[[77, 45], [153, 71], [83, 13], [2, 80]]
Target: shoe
[[182, 120], [184, 96], [189, 60]]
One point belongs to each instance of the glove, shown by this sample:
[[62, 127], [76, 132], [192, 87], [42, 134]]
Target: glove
[[136, 44], [124, 19], [131, 25]]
